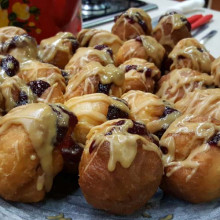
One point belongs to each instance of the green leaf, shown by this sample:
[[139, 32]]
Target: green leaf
[[4, 4], [12, 16], [34, 10]]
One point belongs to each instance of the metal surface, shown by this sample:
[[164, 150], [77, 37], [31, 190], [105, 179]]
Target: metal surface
[[204, 39]]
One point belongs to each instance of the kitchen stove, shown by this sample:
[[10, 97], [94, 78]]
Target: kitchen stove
[[96, 12]]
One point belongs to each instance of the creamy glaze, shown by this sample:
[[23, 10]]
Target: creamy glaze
[[60, 42], [201, 102], [108, 74], [190, 49], [182, 80], [14, 85], [201, 130], [215, 71], [8, 32], [85, 55], [122, 145]]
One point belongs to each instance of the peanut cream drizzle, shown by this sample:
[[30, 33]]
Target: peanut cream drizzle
[[87, 106], [33, 70], [201, 102], [175, 21], [39, 121], [215, 71], [154, 50], [199, 130], [185, 79], [85, 55], [85, 35], [9, 86], [123, 145], [108, 74], [9, 32], [188, 48], [48, 47]]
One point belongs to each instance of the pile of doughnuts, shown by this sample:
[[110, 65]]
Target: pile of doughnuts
[[128, 111]]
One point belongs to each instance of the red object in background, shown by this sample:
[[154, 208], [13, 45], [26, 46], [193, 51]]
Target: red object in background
[[43, 18], [199, 20]]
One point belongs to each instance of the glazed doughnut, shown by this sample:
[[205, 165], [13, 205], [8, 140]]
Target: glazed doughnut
[[9, 66], [95, 78], [215, 71], [191, 157], [172, 28], [22, 47], [175, 85], [58, 49], [190, 53], [139, 75], [95, 109], [84, 55], [132, 23], [144, 47], [201, 102], [45, 80], [7, 33], [149, 109], [15, 92], [29, 160], [121, 166], [93, 37]]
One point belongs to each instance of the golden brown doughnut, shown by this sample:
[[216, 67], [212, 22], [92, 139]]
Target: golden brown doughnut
[[172, 28], [93, 37], [85, 55], [132, 23], [191, 156], [175, 85], [121, 166], [189, 53], [139, 75], [215, 71], [155, 113], [144, 47], [94, 109], [58, 49], [95, 78], [201, 102], [29, 160]]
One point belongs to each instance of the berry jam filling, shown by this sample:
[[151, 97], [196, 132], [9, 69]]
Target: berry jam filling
[[65, 76], [120, 100], [10, 65], [117, 17], [141, 22], [102, 47], [180, 57], [75, 44], [200, 49], [38, 87], [167, 111], [138, 128], [164, 149], [71, 153], [160, 133], [214, 139], [130, 67], [104, 88], [114, 113], [92, 147], [138, 38], [130, 19], [22, 99], [188, 25], [148, 72]]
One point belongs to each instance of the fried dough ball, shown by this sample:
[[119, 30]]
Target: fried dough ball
[[84, 55], [95, 78], [191, 155], [45, 80], [144, 47], [93, 37], [9, 32], [9, 66], [140, 75], [201, 102], [155, 113], [22, 47], [189, 53], [58, 49], [121, 166], [172, 28], [95, 109], [29, 160], [215, 71], [175, 85], [132, 23]]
